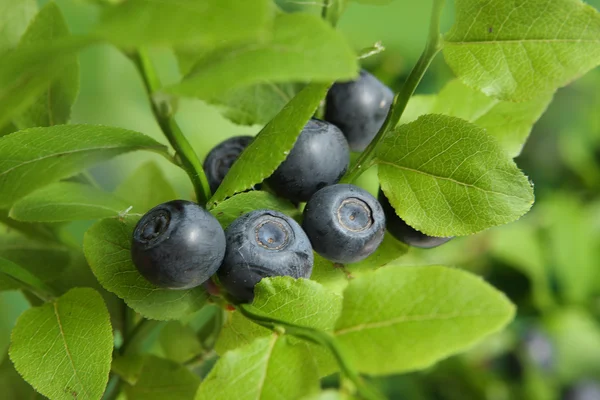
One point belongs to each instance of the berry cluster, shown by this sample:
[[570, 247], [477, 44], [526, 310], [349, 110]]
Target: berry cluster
[[179, 245]]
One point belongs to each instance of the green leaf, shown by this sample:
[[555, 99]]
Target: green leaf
[[146, 188], [446, 177], [54, 106], [107, 247], [240, 204], [190, 23], [14, 18], [332, 275], [128, 367], [33, 158], [303, 48], [276, 139], [389, 250], [418, 106], [26, 72], [330, 395], [13, 276], [67, 201], [269, 368], [160, 379], [43, 232], [64, 348], [179, 342], [12, 305], [516, 50], [13, 386], [418, 315]]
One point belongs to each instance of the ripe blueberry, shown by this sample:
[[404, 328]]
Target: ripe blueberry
[[404, 232], [584, 390], [261, 244], [359, 108], [319, 158], [219, 160], [344, 223], [178, 245]]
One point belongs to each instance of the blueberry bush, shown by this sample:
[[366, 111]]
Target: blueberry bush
[[263, 269]]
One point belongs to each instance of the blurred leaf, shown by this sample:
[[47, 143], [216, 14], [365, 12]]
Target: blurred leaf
[[146, 188], [517, 50], [160, 379], [14, 18], [418, 106], [36, 157], [240, 204], [64, 348], [128, 367], [179, 342], [54, 106], [13, 386], [107, 249], [268, 368], [303, 48], [13, 276], [447, 177], [419, 315], [67, 201], [12, 305], [272, 145], [330, 395], [191, 23]]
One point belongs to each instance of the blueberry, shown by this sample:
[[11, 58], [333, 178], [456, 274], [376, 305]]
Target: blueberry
[[319, 158], [404, 232], [261, 244], [178, 245], [359, 108], [344, 223], [539, 349], [219, 160], [584, 390]]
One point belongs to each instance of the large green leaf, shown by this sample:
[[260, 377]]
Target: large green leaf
[[14, 18], [146, 188], [272, 145], [107, 247], [163, 379], [273, 367], [303, 48], [399, 319], [35, 157], [64, 348], [516, 50], [53, 107], [447, 177], [238, 205], [67, 201], [189, 22]]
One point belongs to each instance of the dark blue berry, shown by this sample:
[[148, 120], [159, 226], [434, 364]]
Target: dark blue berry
[[404, 232], [261, 244], [359, 108], [319, 158], [344, 223], [178, 245], [584, 390], [219, 160]]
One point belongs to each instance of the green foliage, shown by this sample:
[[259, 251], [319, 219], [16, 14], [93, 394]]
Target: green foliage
[[270, 148], [45, 155], [54, 106], [52, 346], [232, 208], [179, 342], [420, 314], [107, 249], [268, 368], [14, 18], [13, 276], [518, 51], [446, 177]]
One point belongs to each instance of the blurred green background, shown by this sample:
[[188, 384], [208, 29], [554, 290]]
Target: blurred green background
[[548, 263]]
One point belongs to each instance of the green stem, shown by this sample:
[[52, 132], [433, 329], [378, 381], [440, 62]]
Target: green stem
[[434, 45], [113, 389], [163, 114], [322, 338]]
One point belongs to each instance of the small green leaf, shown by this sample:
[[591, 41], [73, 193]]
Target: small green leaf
[[107, 247], [269, 368], [179, 342], [67, 201], [160, 379], [14, 276], [146, 188], [321, 55], [190, 23], [64, 348], [389, 250], [54, 106], [33, 158], [447, 177], [14, 18], [517, 50], [419, 315], [272, 145], [240, 204]]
